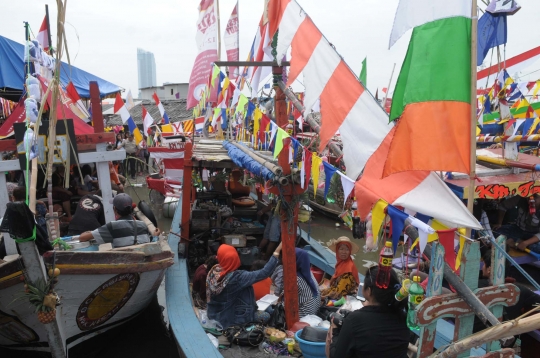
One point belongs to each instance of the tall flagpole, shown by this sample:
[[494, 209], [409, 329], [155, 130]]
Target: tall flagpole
[[472, 172], [388, 88], [218, 30]]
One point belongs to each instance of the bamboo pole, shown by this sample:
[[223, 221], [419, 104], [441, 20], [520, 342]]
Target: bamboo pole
[[472, 158], [52, 114], [219, 37], [509, 328]]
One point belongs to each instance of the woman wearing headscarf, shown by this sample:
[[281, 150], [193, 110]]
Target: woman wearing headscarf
[[229, 291], [309, 296], [379, 329], [345, 279]]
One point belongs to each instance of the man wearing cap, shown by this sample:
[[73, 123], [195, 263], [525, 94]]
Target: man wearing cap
[[125, 230], [131, 153]]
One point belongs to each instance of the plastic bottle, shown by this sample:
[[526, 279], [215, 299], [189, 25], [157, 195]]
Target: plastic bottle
[[404, 290], [416, 295], [385, 266], [532, 205]]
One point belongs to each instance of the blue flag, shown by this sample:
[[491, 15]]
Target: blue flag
[[398, 223], [491, 32], [329, 171]]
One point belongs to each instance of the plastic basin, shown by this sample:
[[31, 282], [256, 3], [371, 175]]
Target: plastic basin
[[311, 349]]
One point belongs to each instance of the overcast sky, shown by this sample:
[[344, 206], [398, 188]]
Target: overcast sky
[[103, 35]]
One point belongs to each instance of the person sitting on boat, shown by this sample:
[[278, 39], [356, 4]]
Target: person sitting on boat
[[379, 329], [262, 287], [272, 231], [19, 194], [229, 291], [309, 296], [198, 289], [125, 230], [62, 194], [345, 279], [525, 232], [88, 216]]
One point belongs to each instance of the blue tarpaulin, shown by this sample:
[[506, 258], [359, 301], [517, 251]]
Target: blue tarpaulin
[[12, 72], [245, 161]]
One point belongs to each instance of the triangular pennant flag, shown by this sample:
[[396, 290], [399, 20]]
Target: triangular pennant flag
[[348, 185], [215, 73], [315, 171], [377, 218], [423, 231], [281, 135], [446, 238], [398, 223], [273, 131], [242, 101], [462, 232], [329, 171], [519, 122], [303, 170]]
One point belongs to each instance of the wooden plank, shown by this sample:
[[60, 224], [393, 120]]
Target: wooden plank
[[434, 288], [95, 138], [8, 145], [102, 156], [9, 165], [470, 262], [497, 276], [97, 111], [11, 247]]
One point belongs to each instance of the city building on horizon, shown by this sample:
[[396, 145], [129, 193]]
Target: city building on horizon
[[146, 68]]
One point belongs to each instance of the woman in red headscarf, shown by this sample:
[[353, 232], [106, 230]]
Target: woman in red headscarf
[[345, 279], [229, 291]]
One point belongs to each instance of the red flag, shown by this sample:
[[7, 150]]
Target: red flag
[[265, 121], [446, 238], [43, 35]]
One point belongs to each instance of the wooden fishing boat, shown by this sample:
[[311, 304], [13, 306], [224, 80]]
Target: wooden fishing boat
[[98, 290]]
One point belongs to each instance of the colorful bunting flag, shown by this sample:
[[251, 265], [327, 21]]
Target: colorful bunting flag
[[315, 171], [329, 171]]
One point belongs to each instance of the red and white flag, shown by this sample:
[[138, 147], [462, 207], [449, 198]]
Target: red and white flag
[[77, 105], [199, 123], [148, 121], [231, 39], [43, 35], [207, 40], [345, 104]]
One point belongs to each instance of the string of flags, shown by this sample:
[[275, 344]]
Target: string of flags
[[429, 230]]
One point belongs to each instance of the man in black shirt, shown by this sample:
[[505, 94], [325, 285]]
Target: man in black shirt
[[88, 216]]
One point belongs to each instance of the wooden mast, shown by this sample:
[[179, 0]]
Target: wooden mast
[[288, 225], [472, 171]]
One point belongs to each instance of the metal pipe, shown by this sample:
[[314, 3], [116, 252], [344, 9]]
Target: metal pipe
[[277, 170], [309, 118], [511, 259]]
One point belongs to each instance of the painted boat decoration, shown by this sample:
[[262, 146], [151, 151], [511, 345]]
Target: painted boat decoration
[[98, 290]]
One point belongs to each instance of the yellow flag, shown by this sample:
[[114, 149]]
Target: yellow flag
[[377, 218], [315, 166], [533, 126], [257, 115], [537, 88], [461, 246], [478, 130]]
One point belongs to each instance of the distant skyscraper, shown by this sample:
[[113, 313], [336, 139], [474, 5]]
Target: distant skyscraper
[[146, 66]]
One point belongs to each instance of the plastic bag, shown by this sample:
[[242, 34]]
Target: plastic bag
[[351, 304], [32, 84], [312, 320], [325, 324], [207, 322], [213, 339], [31, 107]]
